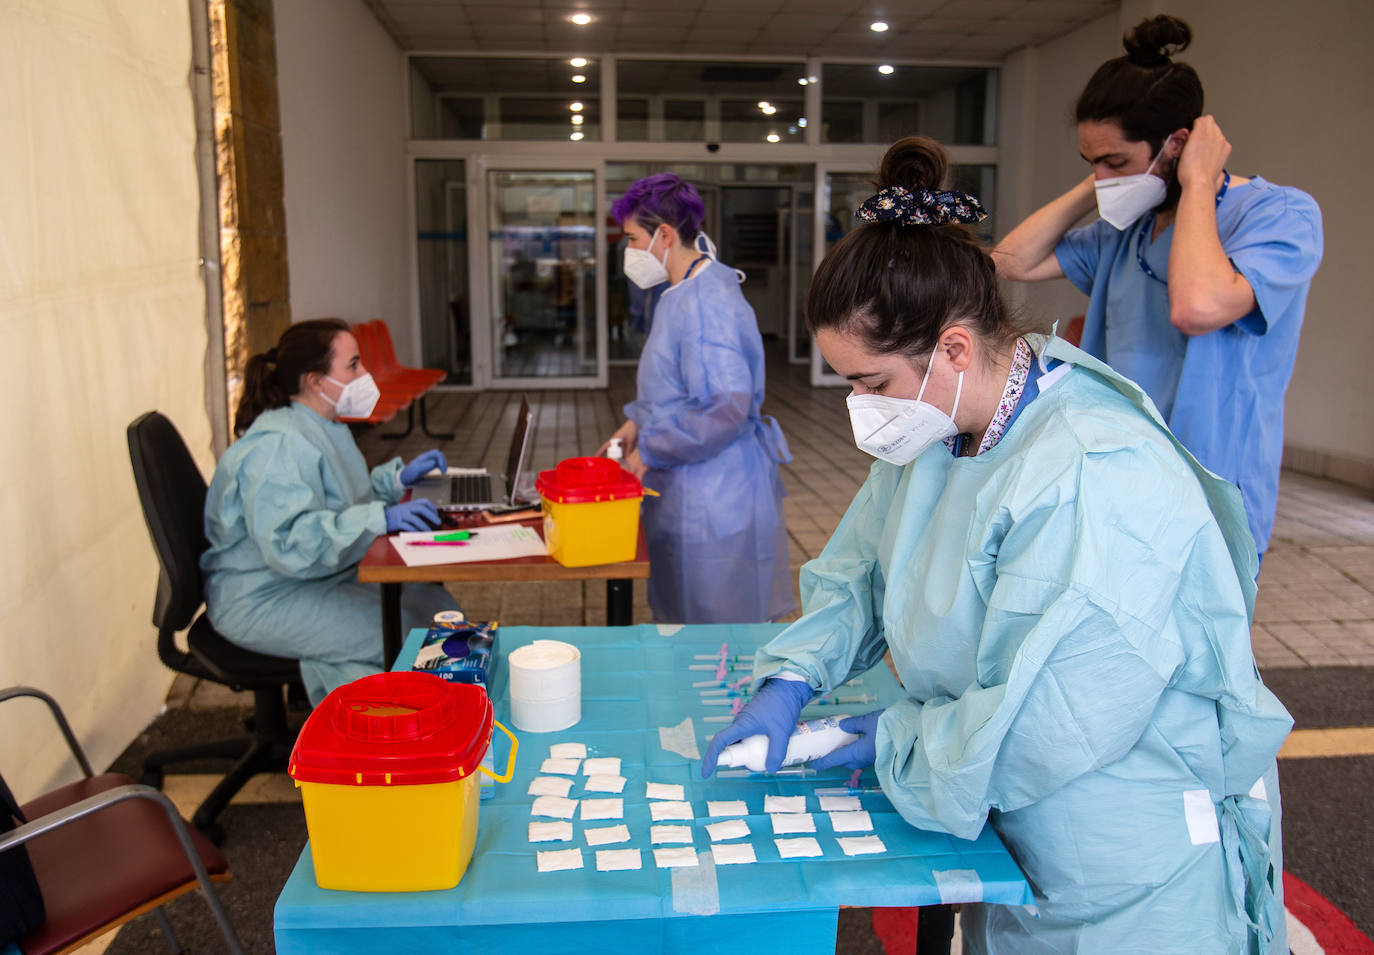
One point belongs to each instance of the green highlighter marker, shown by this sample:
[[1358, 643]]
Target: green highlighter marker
[[455, 536]]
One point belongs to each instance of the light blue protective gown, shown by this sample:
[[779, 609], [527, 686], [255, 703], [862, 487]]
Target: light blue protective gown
[[1070, 614], [1221, 393], [290, 512], [716, 535]]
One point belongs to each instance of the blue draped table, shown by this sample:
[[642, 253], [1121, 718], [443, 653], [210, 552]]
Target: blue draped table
[[636, 680]]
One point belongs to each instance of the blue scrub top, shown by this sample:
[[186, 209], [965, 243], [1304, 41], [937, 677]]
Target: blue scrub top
[[1221, 393]]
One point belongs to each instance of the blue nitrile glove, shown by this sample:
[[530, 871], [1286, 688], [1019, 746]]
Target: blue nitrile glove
[[861, 753], [774, 712], [422, 465], [418, 515]]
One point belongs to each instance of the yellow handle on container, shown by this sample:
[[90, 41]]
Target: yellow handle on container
[[510, 760], [650, 491]]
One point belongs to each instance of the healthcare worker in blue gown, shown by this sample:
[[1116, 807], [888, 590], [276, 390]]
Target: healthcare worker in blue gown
[[292, 508], [1197, 278], [1066, 595], [716, 535]]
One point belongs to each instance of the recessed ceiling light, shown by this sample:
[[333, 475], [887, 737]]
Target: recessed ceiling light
[[886, 70], [802, 122], [577, 119], [575, 107], [763, 104], [878, 26], [576, 136], [582, 19], [769, 110], [578, 62], [579, 78], [801, 81], [774, 137]]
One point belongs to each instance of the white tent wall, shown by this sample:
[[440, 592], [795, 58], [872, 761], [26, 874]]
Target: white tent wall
[[340, 82], [1287, 86], [103, 316]]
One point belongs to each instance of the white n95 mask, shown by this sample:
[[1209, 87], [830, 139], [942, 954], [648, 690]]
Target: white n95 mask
[[645, 269], [897, 430], [1124, 199], [358, 397]]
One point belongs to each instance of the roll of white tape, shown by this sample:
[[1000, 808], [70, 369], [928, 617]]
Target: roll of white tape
[[545, 686]]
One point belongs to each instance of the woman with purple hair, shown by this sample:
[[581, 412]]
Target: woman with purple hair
[[716, 535]]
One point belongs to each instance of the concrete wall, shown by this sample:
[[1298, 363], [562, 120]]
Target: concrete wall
[[343, 114], [103, 315], [1288, 85]]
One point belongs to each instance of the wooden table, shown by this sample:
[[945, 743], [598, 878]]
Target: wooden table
[[384, 565]]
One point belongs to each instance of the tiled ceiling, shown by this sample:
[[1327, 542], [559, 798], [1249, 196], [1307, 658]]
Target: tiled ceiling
[[918, 29]]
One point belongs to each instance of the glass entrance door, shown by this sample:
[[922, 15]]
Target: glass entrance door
[[543, 275]]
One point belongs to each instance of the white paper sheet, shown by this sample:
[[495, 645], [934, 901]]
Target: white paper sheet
[[659, 811], [496, 542], [733, 853], [549, 786], [568, 750], [615, 860], [679, 835], [786, 822], [798, 848], [607, 835], [840, 804], [851, 821], [726, 807], [784, 804], [602, 766], [551, 832], [665, 791], [563, 767], [675, 858], [861, 845], [603, 809], [605, 784], [729, 829], [555, 807], [556, 860]]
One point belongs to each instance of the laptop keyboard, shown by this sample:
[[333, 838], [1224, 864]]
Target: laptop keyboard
[[471, 489]]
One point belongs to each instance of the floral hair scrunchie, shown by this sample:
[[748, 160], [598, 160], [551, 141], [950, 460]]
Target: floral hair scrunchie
[[922, 207]]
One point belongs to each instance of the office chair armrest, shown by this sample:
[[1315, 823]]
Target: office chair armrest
[[10, 693], [94, 804]]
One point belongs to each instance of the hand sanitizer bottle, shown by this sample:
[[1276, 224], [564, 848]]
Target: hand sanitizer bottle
[[616, 449], [810, 740]]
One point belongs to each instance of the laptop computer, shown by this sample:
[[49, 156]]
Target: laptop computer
[[477, 489]]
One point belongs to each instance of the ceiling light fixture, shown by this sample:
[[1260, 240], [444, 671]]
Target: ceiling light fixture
[[774, 137], [575, 107], [576, 136], [769, 110], [578, 62], [802, 122], [886, 70], [581, 19], [878, 26], [579, 78], [801, 81], [577, 119]]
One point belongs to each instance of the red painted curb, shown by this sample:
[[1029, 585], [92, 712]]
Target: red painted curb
[[1331, 927]]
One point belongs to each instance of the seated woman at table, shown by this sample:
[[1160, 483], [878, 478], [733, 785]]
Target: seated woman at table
[[716, 535], [1066, 595], [292, 509]]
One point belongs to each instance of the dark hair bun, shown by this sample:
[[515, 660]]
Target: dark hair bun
[[1155, 40], [913, 163]]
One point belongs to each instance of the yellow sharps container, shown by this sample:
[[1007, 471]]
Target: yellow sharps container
[[387, 766]]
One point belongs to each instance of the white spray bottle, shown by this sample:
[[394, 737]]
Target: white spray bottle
[[810, 740]]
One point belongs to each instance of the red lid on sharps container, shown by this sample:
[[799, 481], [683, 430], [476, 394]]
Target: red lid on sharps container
[[587, 480], [396, 729]]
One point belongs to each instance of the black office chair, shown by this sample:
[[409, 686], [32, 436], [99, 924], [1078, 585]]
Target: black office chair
[[172, 492]]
